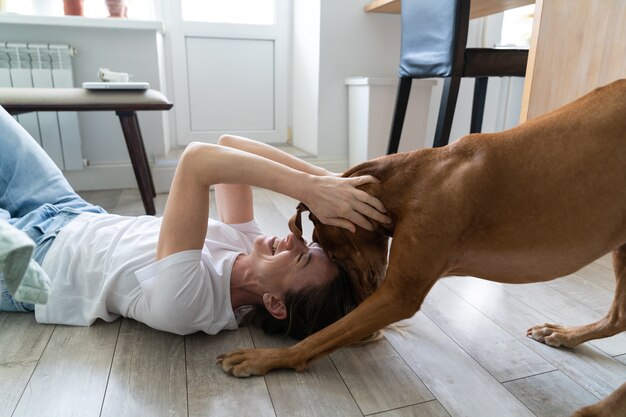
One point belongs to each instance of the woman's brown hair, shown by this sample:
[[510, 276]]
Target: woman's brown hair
[[309, 310]]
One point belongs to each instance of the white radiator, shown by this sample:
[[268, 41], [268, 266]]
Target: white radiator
[[29, 65]]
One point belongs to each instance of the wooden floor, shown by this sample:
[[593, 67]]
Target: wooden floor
[[464, 354]]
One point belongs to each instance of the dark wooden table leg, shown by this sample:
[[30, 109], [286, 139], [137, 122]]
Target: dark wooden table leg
[[138, 158], [145, 156]]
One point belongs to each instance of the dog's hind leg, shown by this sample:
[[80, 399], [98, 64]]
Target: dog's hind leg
[[614, 322]]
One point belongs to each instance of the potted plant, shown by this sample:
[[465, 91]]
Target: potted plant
[[73, 7], [117, 8]]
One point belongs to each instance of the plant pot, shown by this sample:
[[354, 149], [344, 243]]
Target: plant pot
[[117, 8], [73, 7]]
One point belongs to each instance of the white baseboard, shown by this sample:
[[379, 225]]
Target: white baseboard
[[117, 176]]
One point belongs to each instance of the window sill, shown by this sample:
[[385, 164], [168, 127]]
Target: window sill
[[79, 21]]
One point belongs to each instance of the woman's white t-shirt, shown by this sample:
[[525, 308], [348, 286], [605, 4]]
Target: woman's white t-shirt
[[103, 266]]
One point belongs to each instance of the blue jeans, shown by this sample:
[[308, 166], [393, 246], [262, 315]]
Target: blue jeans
[[35, 197]]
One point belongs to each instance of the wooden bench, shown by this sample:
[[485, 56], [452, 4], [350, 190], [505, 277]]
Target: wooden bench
[[125, 103]]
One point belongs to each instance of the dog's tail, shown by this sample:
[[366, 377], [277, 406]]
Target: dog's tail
[[372, 337], [379, 334]]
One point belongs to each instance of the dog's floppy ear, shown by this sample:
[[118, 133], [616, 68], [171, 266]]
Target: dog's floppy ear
[[314, 235], [295, 223]]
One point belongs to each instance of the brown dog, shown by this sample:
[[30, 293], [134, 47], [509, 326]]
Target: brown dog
[[529, 204]]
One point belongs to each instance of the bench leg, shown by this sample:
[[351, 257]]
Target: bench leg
[[139, 159]]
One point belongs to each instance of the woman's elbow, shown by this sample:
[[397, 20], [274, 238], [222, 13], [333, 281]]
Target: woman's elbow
[[196, 147], [229, 140], [198, 153]]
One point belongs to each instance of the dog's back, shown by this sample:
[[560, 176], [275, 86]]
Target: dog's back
[[529, 194], [550, 191]]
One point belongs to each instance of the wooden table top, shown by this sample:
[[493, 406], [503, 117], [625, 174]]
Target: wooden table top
[[23, 100], [479, 8]]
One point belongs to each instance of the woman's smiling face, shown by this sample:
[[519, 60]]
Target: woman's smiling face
[[289, 264]]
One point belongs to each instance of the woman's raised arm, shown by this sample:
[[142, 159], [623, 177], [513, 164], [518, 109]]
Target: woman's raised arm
[[234, 201], [332, 199]]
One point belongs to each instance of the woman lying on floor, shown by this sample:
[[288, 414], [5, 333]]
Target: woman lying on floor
[[182, 273]]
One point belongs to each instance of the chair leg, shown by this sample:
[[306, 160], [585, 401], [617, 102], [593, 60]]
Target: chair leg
[[138, 158], [478, 106], [402, 100], [446, 111]]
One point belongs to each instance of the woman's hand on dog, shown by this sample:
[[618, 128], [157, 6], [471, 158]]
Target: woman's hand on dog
[[337, 201]]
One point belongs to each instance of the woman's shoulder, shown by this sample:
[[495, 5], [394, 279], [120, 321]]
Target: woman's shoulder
[[251, 229]]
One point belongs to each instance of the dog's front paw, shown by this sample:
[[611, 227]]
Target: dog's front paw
[[243, 363], [551, 334], [247, 362]]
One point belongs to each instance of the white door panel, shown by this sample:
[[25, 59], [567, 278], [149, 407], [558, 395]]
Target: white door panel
[[234, 94], [228, 78]]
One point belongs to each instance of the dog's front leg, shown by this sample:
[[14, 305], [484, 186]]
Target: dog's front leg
[[377, 311], [409, 278]]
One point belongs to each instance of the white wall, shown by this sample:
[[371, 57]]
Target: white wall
[[352, 43], [305, 74]]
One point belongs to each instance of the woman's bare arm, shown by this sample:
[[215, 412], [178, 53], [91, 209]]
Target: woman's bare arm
[[334, 200], [234, 201]]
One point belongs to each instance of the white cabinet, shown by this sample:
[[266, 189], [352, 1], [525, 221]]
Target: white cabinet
[[371, 104]]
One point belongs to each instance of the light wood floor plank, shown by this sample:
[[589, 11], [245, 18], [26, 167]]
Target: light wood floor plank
[[583, 291], [13, 379], [23, 341], [595, 371], [148, 374], [551, 394], [107, 199], [214, 393], [129, 204], [213, 212], [460, 384], [505, 357], [598, 274], [287, 207], [606, 260], [270, 219], [565, 311], [319, 391], [71, 376], [429, 409], [621, 358], [378, 377]]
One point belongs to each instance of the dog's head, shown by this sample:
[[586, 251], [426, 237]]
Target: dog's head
[[363, 254]]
